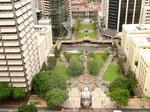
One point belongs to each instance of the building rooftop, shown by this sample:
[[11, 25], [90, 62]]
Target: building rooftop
[[136, 28], [141, 41], [145, 53]]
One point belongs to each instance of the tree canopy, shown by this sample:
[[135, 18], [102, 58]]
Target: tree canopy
[[55, 97], [93, 67], [4, 91], [40, 83], [121, 96], [27, 108], [18, 93], [75, 66]]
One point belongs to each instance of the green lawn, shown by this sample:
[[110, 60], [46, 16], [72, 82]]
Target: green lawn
[[90, 26], [61, 70], [112, 72]]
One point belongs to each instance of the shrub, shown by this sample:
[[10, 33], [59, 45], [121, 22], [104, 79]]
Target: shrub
[[18, 93], [5, 91], [27, 108]]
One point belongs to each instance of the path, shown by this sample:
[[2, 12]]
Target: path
[[105, 66], [85, 64], [64, 60]]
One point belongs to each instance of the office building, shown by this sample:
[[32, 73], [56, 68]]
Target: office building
[[58, 15], [132, 30], [19, 57], [136, 43], [143, 73], [145, 13], [123, 12]]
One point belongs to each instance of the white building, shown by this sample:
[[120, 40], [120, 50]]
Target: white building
[[44, 40], [130, 30], [19, 57], [136, 44], [143, 74]]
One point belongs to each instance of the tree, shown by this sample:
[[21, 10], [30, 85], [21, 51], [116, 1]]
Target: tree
[[57, 81], [93, 67], [5, 91], [123, 83], [120, 82], [75, 66], [55, 97], [27, 108], [18, 93], [40, 83], [57, 52], [121, 96], [51, 63]]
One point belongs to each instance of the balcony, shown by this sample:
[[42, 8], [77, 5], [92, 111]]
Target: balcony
[[9, 36], [3, 68], [8, 29], [4, 79], [16, 79], [2, 62], [11, 43], [12, 50], [6, 15], [19, 12], [16, 68], [17, 74], [3, 74], [14, 62], [7, 22], [13, 56], [2, 56], [5, 7], [19, 84]]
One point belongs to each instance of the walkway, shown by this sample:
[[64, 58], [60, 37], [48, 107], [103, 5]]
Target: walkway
[[105, 66], [64, 60]]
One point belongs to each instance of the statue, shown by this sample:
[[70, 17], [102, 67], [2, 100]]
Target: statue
[[86, 98]]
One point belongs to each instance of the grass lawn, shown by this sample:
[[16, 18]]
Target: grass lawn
[[90, 26], [61, 70], [112, 72]]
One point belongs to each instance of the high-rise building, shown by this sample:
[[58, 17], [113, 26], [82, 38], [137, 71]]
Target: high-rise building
[[123, 12], [18, 48], [145, 12], [58, 15]]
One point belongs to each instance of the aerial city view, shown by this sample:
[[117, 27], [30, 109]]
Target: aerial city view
[[74, 55]]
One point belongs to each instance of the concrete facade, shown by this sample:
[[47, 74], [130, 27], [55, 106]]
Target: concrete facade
[[143, 73], [20, 49]]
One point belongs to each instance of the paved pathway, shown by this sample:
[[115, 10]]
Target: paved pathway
[[64, 60], [105, 66]]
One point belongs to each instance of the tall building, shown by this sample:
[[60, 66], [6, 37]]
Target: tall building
[[58, 15], [135, 43], [123, 12], [19, 60], [145, 12]]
